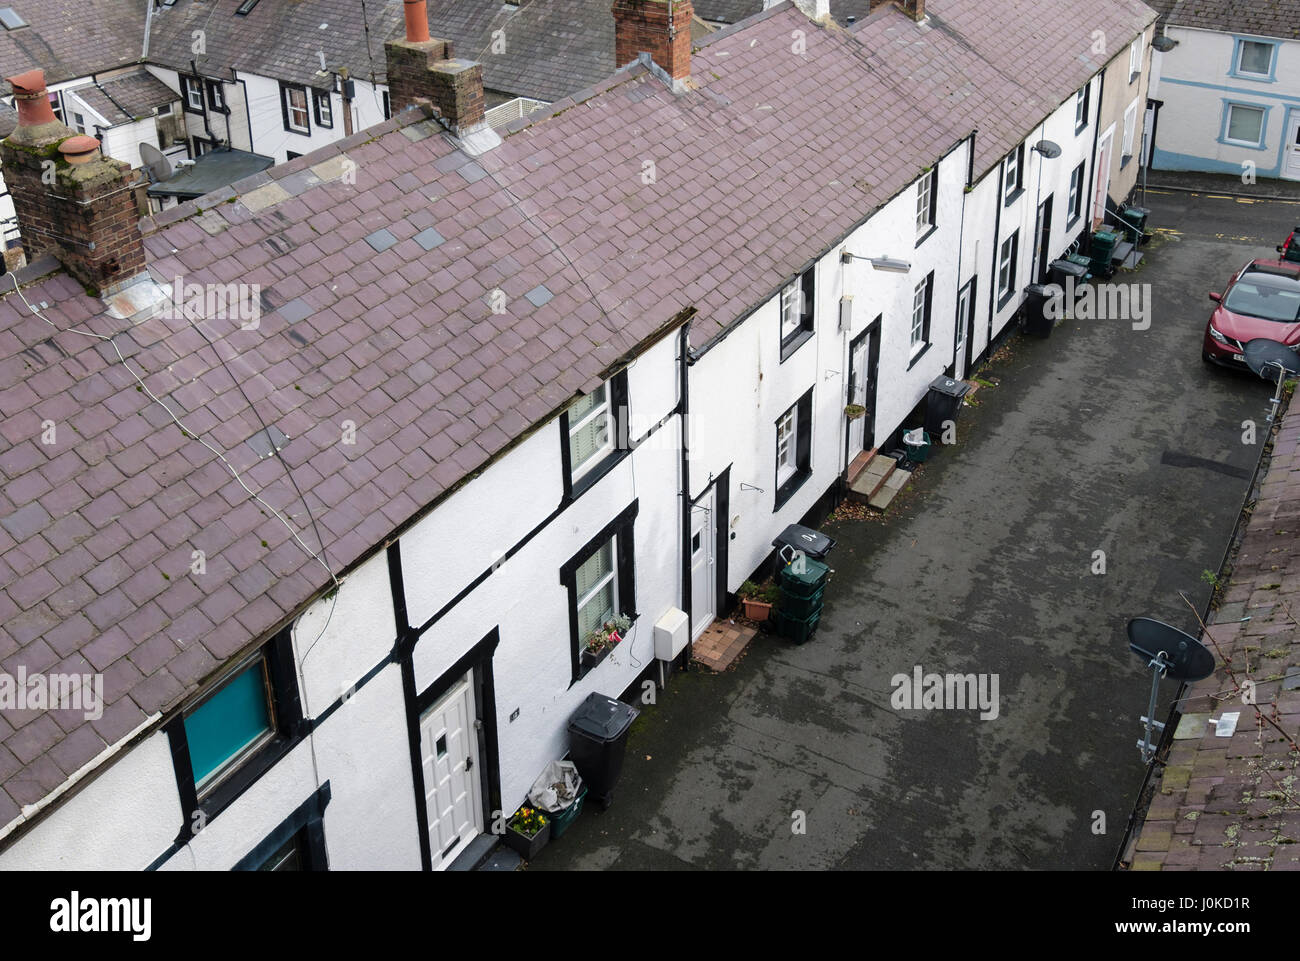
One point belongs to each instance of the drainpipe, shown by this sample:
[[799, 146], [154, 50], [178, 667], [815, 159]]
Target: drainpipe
[[345, 88], [958, 363], [683, 411], [1096, 141], [997, 229]]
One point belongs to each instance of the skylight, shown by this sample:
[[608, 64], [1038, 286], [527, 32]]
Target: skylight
[[245, 8], [10, 20]]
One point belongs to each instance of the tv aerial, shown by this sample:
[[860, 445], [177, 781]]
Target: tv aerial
[[1168, 653]]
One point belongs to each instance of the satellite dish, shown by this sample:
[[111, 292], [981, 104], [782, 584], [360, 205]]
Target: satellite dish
[[1185, 658], [1168, 652], [156, 165]]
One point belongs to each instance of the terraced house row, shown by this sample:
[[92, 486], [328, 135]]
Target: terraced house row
[[336, 565]]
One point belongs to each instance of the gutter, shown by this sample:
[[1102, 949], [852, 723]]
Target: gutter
[[148, 24]]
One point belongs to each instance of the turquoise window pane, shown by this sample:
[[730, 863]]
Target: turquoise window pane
[[228, 722]]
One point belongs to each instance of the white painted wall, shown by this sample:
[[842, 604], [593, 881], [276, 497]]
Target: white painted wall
[[524, 596], [740, 387], [120, 821]]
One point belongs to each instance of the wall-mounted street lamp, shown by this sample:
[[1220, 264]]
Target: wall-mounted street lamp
[[890, 264]]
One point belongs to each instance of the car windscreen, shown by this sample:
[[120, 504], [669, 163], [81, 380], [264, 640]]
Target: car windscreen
[[1264, 300]]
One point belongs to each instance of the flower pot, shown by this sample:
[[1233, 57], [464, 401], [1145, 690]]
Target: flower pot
[[756, 610], [527, 847]]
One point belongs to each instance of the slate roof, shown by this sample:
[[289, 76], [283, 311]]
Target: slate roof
[[284, 40], [1221, 803], [376, 297], [72, 38], [966, 61], [128, 97], [1276, 18]]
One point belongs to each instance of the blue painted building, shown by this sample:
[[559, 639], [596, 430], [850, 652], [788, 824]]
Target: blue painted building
[[1228, 93]]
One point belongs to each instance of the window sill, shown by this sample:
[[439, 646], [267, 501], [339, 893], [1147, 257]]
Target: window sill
[[1125, 160], [602, 467], [793, 343], [1069, 224], [1081, 128], [588, 662], [1253, 77], [1014, 197], [790, 488], [1005, 298], [245, 776], [926, 236], [916, 358], [300, 132]]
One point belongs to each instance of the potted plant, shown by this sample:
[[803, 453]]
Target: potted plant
[[757, 600], [601, 640], [854, 411], [527, 832]]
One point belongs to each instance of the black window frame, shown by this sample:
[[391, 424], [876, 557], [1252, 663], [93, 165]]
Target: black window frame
[[933, 223], [622, 529], [188, 84], [216, 96], [802, 450], [285, 88], [319, 97], [1084, 92], [1004, 296], [926, 341], [1018, 155], [289, 729], [388, 105], [616, 388], [305, 826], [1072, 214], [807, 281]]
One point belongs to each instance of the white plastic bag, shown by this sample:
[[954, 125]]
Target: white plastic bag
[[557, 787]]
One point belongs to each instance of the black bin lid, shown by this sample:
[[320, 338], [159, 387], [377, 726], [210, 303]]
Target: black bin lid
[[602, 718], [811, 542], [1066, 267], [949, 387]]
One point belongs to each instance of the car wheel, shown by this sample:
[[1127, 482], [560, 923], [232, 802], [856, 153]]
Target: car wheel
[[1205, 358]]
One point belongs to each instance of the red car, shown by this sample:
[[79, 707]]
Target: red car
[[1262, 300]]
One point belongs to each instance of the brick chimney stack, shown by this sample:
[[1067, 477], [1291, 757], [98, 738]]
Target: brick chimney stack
[[70, 200], [422, 69], [661, 28]]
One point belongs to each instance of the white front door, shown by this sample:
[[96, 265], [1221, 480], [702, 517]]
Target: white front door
[[449, 752], [959, 335], [1102, 189], [858, 367], [1291, 159], [703, 575]]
